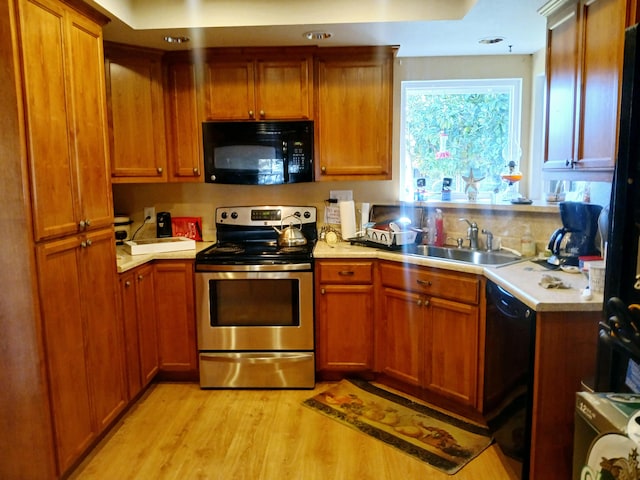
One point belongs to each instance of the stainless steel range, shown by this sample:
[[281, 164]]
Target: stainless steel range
[[254, 293]]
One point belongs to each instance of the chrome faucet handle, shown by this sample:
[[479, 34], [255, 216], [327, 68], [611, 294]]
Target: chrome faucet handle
[[489, 239]]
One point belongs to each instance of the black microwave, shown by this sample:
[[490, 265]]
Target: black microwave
[[258, 153]]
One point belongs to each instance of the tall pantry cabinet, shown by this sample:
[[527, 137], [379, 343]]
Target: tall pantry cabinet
[[66, 355]]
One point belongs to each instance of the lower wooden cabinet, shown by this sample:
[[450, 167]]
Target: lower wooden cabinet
[[344, 316], [140, 327], [175, 313], [429, 330], [82, 338]]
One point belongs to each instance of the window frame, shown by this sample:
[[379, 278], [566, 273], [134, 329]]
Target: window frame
[[511, 85]]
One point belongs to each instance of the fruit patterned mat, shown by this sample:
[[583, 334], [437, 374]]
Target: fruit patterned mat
[[440, 439]]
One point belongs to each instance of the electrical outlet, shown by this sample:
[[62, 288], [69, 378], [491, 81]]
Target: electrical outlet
[[150, 212]]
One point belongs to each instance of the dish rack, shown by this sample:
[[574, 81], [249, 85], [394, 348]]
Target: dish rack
[[390, 237]]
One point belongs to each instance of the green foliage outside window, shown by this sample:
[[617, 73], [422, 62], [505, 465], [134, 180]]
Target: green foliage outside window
[[455, 133]]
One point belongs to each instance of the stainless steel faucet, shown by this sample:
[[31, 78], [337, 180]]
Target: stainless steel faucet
[[489, 239], [472, 233]]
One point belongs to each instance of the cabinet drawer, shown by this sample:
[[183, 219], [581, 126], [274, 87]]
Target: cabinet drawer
[[345, 272], [440, 284]]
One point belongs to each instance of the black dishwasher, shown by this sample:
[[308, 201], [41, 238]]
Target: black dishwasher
[[508, 373]]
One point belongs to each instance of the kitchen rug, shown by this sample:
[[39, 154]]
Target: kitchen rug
[[440, 439]]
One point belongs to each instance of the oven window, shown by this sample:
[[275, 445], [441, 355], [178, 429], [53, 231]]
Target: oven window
[[254, 302]]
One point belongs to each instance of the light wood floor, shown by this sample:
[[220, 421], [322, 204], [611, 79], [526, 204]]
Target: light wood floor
[[178, 431]]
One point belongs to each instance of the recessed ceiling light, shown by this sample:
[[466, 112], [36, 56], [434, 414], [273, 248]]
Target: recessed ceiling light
[[171, 39], [317, 35], [490, 40]]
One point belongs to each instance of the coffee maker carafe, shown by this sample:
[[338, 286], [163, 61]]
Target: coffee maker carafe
[[577, 236]]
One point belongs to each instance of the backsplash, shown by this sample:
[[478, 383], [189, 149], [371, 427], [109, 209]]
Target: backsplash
[[507, 223]]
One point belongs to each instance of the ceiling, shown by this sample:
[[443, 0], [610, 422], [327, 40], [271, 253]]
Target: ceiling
[[418, 27]]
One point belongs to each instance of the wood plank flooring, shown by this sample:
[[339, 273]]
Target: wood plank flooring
[[178, 431]]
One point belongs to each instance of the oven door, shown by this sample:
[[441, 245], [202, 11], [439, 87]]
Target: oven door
[[255, 311]]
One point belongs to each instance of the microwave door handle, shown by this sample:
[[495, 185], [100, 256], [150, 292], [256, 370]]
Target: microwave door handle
[[285, 161]]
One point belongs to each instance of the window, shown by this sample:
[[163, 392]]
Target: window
[[462, 132]]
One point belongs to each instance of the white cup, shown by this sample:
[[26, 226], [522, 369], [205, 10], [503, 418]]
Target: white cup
[[596, 277]]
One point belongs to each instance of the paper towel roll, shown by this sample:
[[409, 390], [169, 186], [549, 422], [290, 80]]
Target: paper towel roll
[[348, 219]]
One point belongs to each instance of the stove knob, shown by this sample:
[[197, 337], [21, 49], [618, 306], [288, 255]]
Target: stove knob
[[224, 215], [307, 214], [234, 215], [296, 214]]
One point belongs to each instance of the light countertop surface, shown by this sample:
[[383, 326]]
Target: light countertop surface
[[521, 279]]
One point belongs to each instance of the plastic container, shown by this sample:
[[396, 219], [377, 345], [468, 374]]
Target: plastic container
[[527, 244]]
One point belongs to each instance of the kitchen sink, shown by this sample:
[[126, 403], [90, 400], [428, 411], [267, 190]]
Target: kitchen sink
[[476, 257]]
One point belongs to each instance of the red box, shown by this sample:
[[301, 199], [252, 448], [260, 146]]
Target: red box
[[189, 227]]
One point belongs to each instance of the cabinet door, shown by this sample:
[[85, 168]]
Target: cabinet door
[[283, 88], [105, 350], [61, 294], [176, 316], [52, 172], [451, 339], [229, 90], [184, 137], [131, 339], [89, 123], [345, 327], [603, 24], [353, 128], [147, 323], [401, 345], [562, 67], [138, 146]]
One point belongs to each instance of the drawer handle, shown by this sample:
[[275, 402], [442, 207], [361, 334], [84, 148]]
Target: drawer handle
[[345, 273], [426, 283]]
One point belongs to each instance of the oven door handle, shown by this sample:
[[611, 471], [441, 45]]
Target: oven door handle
[[255, 357]]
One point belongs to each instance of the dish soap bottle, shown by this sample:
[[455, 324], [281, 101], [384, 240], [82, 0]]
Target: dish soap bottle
[[527, 244]]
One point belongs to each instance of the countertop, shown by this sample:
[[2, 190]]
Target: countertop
[[521, 279], [126, 262]]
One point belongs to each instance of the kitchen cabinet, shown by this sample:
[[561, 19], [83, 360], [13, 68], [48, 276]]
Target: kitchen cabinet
[[258, 84], [136, 114], [140, 328], [429, 333], [175, 312], [65, 119], [354, 113], [83, 339], [185, 159], [344, 316], [585, 44]]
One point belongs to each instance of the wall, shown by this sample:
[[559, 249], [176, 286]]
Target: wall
[[202, 199]]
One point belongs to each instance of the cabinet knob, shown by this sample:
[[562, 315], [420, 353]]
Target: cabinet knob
[[196, 171], [419, 302], [127, 284], [322, 291], [86, 243], [323, 169], [262, 113], [84, 223], [160, 170], [251, 114], [140, 278], [425, 303]]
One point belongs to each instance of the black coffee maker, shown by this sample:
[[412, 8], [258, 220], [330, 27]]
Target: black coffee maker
[[577, 236]]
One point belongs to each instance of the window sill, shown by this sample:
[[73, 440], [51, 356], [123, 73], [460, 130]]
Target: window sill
[[536, 206]]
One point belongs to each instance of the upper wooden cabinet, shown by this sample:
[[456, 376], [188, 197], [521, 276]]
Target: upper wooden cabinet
[[353, 113], [183, 124], [66, 119], [256, 84], [585, 45], [136, 114]]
